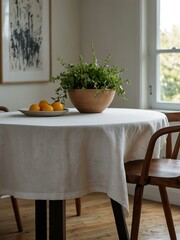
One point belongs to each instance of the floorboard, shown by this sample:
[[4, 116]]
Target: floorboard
[[95, 223]]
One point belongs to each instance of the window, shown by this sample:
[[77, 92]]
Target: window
[[164, 53]]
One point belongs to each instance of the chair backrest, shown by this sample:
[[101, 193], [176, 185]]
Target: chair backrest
[[173, 116], [170, 152], [4, 109], [174, 151]]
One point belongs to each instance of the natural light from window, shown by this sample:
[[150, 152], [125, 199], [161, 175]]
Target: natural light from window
[[169, 13], [168, 47]]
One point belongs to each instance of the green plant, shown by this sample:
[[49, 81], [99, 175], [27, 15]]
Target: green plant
[[88, 76]]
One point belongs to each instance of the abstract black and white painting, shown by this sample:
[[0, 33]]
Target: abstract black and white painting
[[25, 40]]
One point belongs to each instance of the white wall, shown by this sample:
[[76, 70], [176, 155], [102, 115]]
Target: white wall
[[114, 27], [65, 42]]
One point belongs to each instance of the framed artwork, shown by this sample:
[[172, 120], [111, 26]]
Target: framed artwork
[[25, 41]]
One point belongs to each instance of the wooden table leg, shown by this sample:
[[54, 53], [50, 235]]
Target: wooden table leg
[[57, 220], [120, 221], [41, 219]]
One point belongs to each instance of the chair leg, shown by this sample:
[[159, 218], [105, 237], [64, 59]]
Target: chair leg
[[78, 206], [16, 213], [167, 212], [136, 211]]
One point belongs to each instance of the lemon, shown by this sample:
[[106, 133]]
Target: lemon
[[34, 108], [42, 103], [48, 108], [57, 106]]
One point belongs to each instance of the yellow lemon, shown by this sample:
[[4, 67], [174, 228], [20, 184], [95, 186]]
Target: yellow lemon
[[42, 103], [48, 108], [57, 106], [34, 108]]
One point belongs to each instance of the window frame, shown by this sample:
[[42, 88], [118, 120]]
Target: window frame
[[154, 52]]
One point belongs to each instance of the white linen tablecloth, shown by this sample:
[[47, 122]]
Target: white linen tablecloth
[[74, 154]]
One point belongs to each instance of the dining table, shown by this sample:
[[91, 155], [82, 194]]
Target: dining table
[[52, 157]]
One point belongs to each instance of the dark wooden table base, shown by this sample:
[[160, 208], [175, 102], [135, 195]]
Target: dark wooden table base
[[120, 221], [57, 220], [41, 219]]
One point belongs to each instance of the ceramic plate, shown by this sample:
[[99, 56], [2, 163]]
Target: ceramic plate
[[43, 113]]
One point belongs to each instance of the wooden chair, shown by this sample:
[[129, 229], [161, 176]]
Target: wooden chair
[[4, 109], [161, 172], [14, 200]]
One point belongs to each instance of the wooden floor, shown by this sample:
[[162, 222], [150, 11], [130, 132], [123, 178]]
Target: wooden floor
[[95, 223]]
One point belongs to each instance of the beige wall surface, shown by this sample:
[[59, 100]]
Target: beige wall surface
[[112, 25], [65, 42]]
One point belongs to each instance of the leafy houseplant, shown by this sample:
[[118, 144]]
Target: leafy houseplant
[[89, 76]]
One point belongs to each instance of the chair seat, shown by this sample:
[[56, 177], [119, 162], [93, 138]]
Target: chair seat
[[160, 172]]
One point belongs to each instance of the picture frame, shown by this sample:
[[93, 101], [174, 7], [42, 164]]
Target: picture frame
[[25, 28]]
